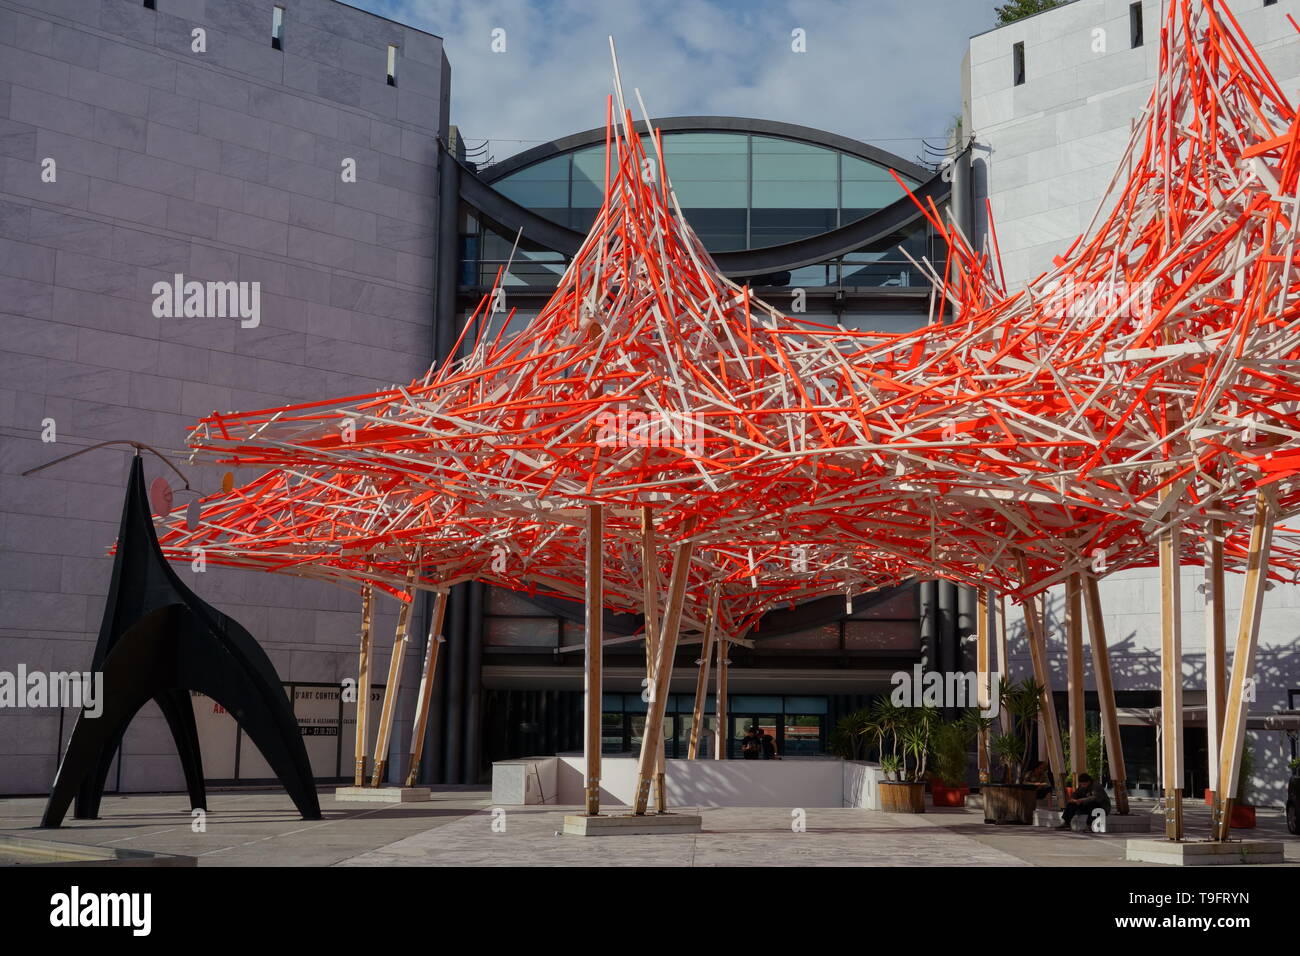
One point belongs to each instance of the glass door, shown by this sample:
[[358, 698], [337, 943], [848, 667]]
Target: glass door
[[768, 724]]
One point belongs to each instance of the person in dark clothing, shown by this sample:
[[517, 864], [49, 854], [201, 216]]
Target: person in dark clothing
[[768, 745], [1040, 775], [1088, 796], [751, 747]]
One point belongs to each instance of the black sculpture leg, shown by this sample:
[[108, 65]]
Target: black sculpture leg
[[91, 791], [178, 708], [94, 739], [261, 708]]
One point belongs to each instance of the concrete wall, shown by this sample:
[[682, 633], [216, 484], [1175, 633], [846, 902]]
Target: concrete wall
[[223, 165], [797, 782], [1046, 150]]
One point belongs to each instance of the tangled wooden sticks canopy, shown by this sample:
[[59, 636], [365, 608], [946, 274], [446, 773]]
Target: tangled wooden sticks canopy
[[1148, 379]]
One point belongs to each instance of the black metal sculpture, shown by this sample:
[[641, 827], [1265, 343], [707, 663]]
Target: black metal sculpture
[[160, 641]]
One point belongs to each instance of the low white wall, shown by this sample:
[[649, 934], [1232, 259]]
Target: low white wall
[[862, 784], [528, 780], [793, 782]]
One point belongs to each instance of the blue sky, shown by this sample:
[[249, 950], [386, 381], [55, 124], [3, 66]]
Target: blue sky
[[883, 71]]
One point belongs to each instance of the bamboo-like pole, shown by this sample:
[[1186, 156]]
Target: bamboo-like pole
[[387, 711], [1216, 653], [1243, 661], [425, 697], [650, 605], [363, 687], [720, 698], [702, 677], [982, 676], [1171, 680], [1105, 693], [592, 683], [1042, 674], [1074, 671], [663, 673], [1004, 658]]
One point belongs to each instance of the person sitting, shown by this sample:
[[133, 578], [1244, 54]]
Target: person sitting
[[1089, 795], [1039, 774]]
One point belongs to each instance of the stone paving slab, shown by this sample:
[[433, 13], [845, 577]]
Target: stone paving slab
[[730, 837], [244, 828], [261, 828]]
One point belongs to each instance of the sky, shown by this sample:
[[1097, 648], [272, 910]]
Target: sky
[[887, 72]]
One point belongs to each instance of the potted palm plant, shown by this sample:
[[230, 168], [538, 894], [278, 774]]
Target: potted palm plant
[[1012, 799], [949, 741], [849, 738], [909, 732]]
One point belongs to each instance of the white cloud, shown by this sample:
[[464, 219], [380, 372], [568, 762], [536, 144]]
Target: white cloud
[[883, 71]]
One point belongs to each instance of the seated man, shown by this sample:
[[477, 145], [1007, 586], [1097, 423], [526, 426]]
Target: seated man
[[1088, 796]]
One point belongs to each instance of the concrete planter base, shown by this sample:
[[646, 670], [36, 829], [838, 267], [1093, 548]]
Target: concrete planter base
[[382, 794], [1204, 854]]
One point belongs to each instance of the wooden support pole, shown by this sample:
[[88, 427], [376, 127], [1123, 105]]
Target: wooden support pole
[[1106, 693], [1216, 653], [650, 605], [702, 678], [1243, 662], [668, 631], [363, 687], [1004, 659], [983, 677], [720, 699], [425, 695], [1074, 676], [1042, 674], [388, 711], [592, 682], [1171, 680]]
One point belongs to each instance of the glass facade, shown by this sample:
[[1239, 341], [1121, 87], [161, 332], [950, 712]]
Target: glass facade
[[737, 190], [797, 725]]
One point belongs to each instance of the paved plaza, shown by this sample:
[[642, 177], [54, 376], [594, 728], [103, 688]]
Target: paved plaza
[[461, 827]]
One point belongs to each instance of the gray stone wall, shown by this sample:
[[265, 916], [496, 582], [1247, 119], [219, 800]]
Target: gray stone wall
[[1046, 152], [221, 165]]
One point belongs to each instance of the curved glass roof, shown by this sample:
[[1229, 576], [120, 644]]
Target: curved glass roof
[[738, 190]]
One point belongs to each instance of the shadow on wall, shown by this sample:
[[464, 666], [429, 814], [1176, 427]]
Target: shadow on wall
[[1135, 667]]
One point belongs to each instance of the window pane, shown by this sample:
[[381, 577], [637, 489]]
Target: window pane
[[805, 705], [555, 169], [803, 735], [755, 705], [721, 230], [770, 227]]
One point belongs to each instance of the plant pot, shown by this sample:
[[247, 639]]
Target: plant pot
[[1010, 802], [945, 796], [1243, 818], [902, 797]]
